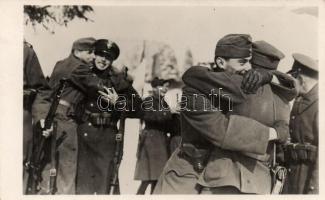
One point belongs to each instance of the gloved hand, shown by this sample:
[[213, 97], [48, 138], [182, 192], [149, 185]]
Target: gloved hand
[[45, 132], [282, 129], [255, 78]]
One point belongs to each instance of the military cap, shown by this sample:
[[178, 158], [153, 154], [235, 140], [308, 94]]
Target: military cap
[[304, 65], [234, 46], [158, 82], [107, 48], [265, 55], [84, 44]]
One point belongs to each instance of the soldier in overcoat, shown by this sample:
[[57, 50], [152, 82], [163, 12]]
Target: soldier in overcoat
[[34, 82], [302, 153], [107, 93], [211, 158], [153, 148], [268, 105], [67, 150]]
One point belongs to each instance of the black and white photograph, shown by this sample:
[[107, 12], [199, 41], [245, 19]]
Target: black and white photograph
[[187, 98]]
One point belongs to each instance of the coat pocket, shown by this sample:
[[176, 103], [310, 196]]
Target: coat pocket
[[180, 166], [217, 169]]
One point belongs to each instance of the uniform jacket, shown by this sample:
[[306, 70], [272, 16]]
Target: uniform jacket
[[91, 80], [97, 142], [304, 129], [237, 141], [62, 69], [33, 75]]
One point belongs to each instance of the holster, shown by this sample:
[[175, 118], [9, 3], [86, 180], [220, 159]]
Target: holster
[[196, 156], [297, 152], [279, 175], [29, 97]]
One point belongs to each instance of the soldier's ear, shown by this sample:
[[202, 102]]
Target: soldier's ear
[[220, 62]]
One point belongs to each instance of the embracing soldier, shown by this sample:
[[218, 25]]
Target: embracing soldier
[[107, 98], [229, 154], [67, 146]]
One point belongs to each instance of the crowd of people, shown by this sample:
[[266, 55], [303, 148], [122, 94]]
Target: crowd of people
[[246, 139]]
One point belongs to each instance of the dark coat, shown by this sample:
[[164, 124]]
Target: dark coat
[[33, 74], [62, 69], [34, 80], [230, 137], [97, 143], [68, 149], [153, 149], [303, 177]]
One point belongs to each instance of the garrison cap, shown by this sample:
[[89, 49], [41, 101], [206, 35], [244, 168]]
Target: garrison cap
[[84, 44], [265, 55], [234, 46], [158, 82], [304, 65], [107, 48]]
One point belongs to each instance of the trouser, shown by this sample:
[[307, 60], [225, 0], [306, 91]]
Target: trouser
[[143, 186], [299, 178], [27, 142], [27, 133], [67, 156]]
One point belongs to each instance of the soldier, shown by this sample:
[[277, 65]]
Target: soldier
[[81, 55], [302, 155], [34, 82], [206, 130], [152, 150], [268, 105], [107, 94]]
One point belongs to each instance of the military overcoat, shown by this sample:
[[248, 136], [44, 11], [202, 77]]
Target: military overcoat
[[303, 176]]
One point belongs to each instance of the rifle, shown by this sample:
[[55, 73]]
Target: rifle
[[34, 166], [53, 174], [114, 185]]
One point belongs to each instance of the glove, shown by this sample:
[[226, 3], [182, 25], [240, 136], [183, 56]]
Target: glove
[[255, 78], [282, 129]]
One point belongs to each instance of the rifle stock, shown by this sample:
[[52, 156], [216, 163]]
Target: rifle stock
[[53, 171]]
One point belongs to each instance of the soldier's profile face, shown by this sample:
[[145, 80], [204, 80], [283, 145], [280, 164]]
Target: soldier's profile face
[[102, 62], [238, 65]]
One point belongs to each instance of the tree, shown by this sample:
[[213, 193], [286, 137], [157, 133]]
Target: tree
[[48, 16]]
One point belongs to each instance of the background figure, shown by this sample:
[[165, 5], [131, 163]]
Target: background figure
[[34, 81], [302, 153], [153, 151]]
